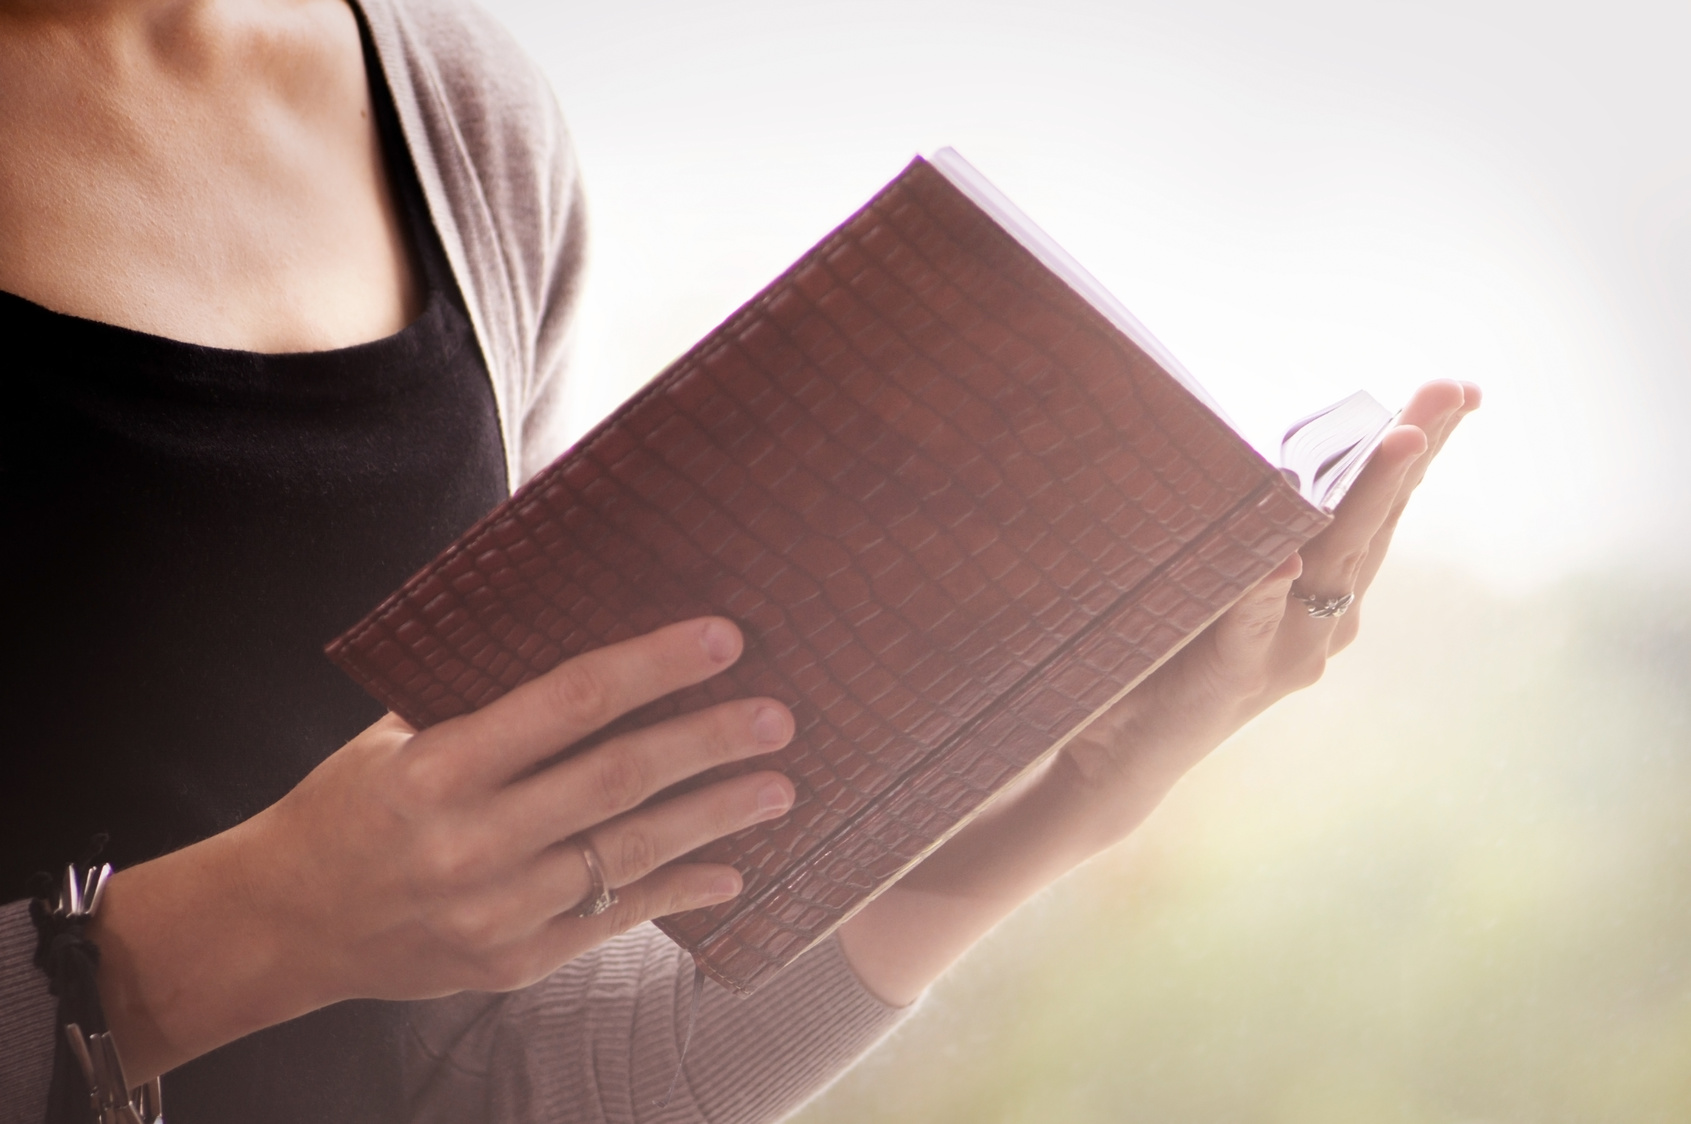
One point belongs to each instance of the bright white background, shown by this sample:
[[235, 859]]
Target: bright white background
[[1299, 198]]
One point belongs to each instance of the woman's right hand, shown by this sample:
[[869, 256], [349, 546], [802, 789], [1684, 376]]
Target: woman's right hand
[[411, 865]]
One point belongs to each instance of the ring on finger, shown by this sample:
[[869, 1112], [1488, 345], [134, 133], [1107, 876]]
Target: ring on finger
[[600, 896], [1325, 608]]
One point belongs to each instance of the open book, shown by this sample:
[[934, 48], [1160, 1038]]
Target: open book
[[956, 496]]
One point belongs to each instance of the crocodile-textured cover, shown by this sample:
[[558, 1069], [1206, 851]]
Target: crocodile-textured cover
[[955, 510]]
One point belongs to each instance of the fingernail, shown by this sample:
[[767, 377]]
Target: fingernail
[[768, 727], [772, 798], [725, 885], [718, 640]]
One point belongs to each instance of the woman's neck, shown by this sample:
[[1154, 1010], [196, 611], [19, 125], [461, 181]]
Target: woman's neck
[[205, 170]]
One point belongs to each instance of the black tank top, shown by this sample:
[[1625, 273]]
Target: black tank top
[[184, 528]]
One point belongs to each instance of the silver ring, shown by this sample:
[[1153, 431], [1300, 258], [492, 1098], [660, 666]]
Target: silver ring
[[1325, 608], [600, 897]]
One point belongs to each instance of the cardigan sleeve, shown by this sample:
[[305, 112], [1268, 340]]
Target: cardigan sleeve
[[597, 1042], [26, 1021], [544, 421]]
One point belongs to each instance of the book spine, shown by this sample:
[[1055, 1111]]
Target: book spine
[[1020, 729]]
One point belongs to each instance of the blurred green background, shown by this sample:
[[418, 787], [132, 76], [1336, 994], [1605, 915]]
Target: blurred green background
[[1450, 883]]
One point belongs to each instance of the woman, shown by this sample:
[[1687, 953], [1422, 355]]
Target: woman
[[288, 288]]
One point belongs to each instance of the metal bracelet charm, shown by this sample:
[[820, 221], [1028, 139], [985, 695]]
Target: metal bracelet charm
[[109, 1094]]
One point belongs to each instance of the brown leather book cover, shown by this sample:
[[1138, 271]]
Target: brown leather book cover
[[956, 510]]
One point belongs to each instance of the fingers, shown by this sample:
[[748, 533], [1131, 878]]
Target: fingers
[[670, 889], [610, 779], [1435, 409], [633, 846], [1439, 431], [1336, 562], [577, 697], [501, 948], [1333, 559], [1438, 428], [631, 850]]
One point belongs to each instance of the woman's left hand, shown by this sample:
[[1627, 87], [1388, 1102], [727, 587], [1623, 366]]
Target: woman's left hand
[[1105, 781], [1268, 645]]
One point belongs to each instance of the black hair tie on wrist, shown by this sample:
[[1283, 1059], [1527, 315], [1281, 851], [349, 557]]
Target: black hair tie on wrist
[[88, 1081]]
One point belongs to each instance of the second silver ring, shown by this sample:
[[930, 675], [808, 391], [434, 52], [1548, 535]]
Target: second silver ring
[[1325, 608]]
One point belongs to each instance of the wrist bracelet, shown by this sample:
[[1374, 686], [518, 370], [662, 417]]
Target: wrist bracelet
[[70, 960]]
